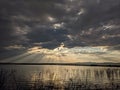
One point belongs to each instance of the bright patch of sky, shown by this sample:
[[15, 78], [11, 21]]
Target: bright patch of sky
[[77, 54]]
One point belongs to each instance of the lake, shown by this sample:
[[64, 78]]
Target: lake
[[57, 77]]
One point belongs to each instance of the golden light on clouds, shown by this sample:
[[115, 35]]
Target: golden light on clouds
[[78, 54], [51, 19]]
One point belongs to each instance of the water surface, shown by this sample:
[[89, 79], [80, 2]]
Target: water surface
[[61, 77]]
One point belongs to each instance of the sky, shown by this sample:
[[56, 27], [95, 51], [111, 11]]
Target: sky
[[47, 24]]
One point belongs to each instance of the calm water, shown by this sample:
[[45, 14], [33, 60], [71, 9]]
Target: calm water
[[61, 77]]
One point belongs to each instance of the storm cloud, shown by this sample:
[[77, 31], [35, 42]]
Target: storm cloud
[[51, 22]]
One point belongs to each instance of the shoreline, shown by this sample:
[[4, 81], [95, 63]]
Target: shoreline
[[67, 64]]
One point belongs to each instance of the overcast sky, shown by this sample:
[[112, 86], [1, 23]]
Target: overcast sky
[[48, 23]]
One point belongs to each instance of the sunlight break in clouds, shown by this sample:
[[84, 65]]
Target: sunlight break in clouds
[[90, 30], [78, 54]]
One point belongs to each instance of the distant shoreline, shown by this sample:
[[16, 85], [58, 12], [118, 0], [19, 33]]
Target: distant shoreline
[[68, 64]]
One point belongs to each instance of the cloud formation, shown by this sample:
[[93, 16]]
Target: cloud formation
[[51, 22]]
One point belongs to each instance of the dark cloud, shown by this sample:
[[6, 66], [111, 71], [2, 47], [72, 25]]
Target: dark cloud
[[5, 30], [46, 34], [51, 22], [96, 13]]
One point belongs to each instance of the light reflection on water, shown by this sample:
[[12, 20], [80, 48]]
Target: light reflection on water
[[63, 75], [92, 74], [77, 74]]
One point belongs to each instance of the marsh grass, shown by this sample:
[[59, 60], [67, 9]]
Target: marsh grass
[[52, 81]]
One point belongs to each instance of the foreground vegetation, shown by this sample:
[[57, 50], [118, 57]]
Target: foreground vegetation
[[9, 80]]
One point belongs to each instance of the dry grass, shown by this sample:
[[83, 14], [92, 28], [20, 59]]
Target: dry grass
[[10, 81]]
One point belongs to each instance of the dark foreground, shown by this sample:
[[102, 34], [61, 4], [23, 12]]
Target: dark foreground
[[45, 77]]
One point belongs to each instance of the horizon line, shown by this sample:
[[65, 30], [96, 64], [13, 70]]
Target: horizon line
[[67, 64]]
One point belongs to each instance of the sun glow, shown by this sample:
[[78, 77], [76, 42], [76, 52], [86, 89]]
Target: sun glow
[[76, 54]]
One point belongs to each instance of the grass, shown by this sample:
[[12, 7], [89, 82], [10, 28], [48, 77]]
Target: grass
[[46, 80]]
